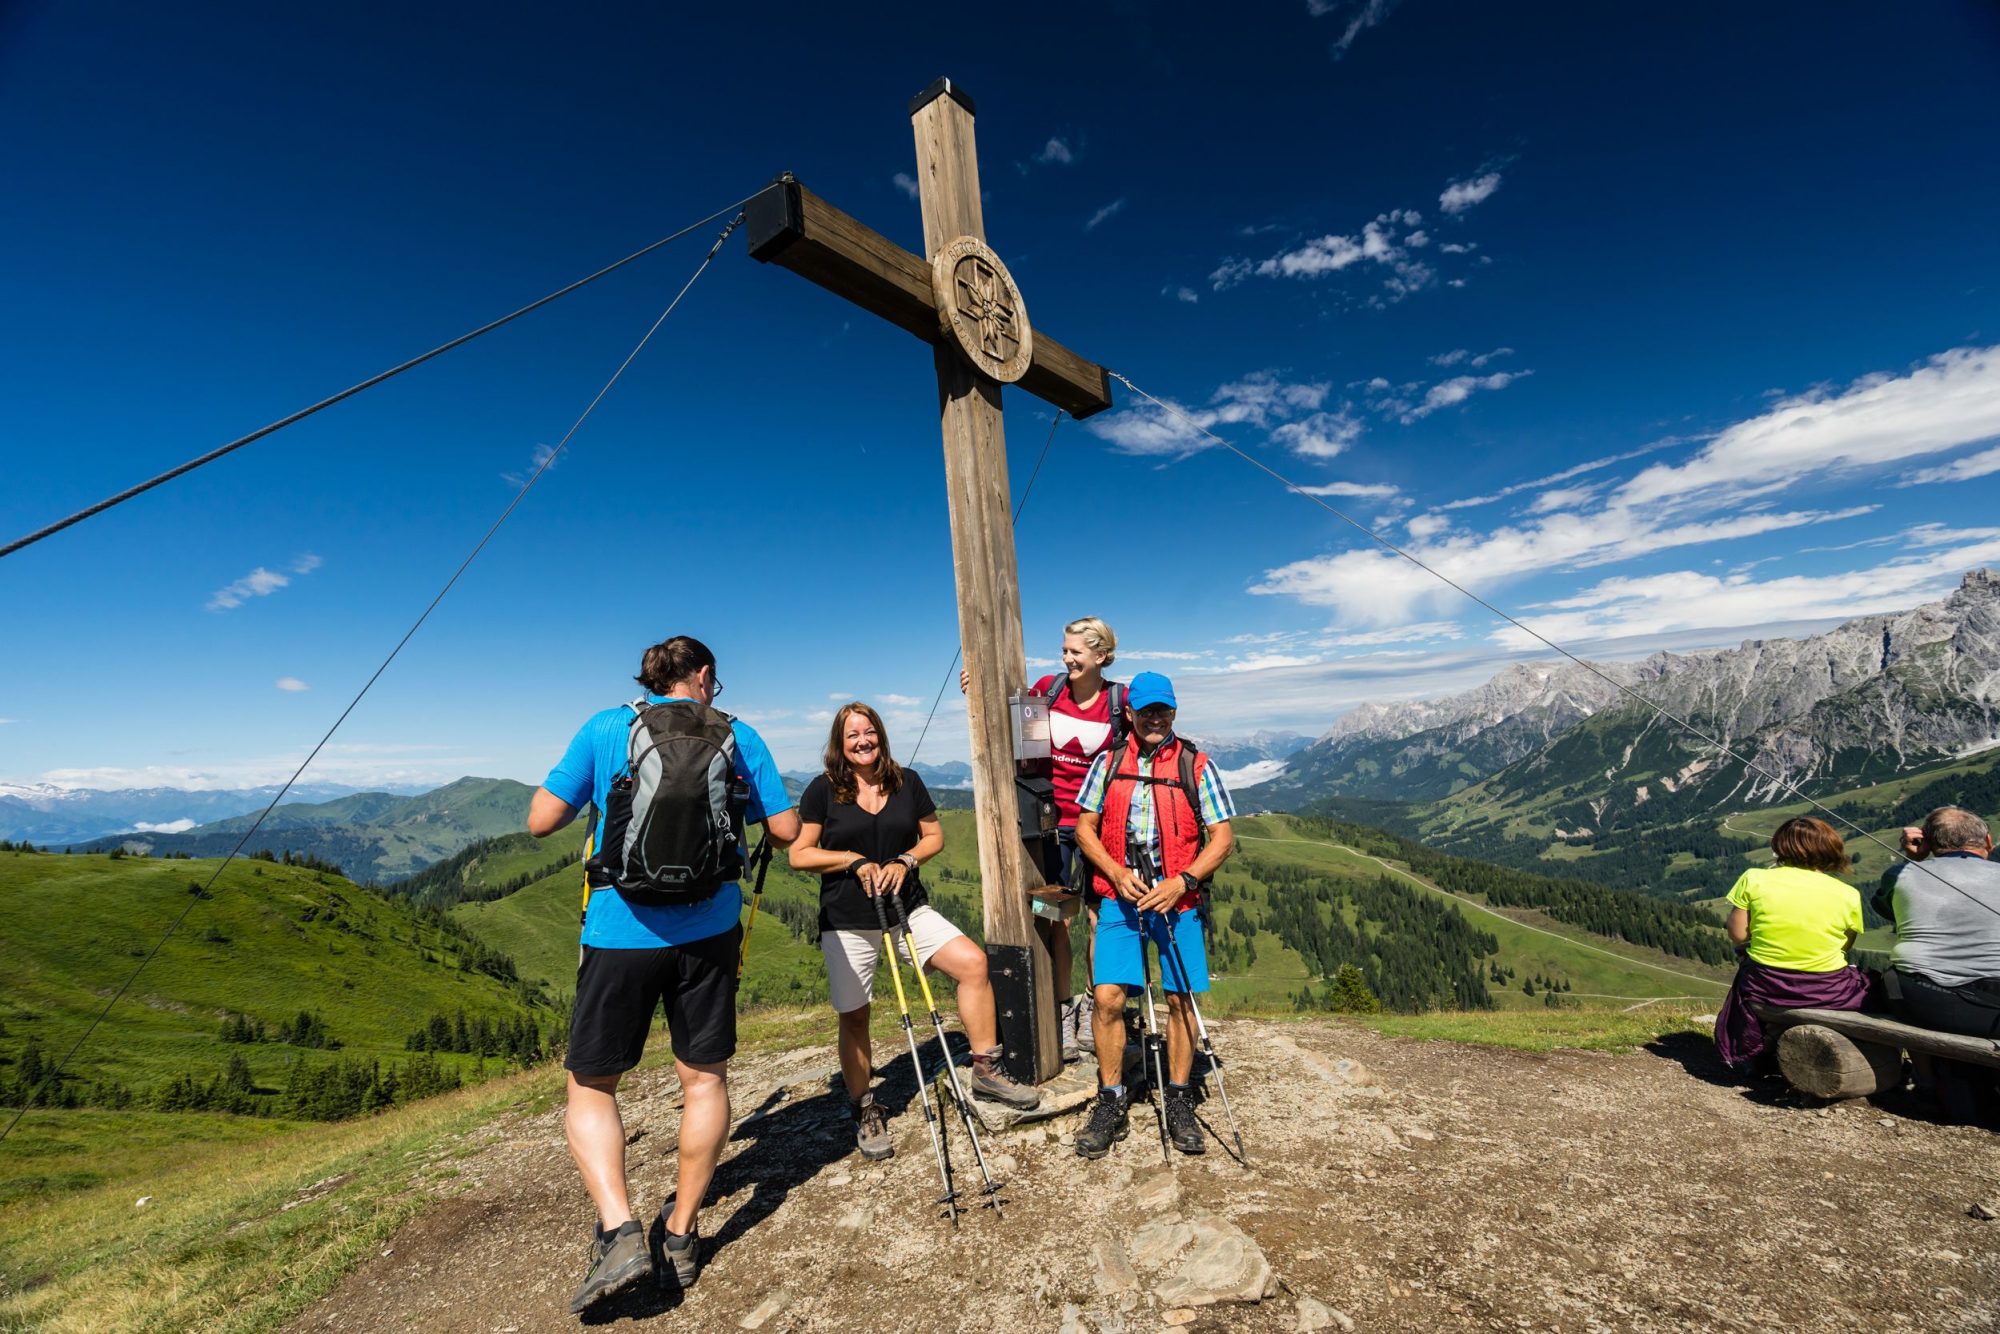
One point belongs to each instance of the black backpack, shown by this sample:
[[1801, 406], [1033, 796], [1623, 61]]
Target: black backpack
[[673, 821]]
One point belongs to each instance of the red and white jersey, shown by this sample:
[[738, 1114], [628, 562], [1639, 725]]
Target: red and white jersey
[[1076, 737]]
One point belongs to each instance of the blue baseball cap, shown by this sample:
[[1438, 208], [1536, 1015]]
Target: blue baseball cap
[[1149, 688]]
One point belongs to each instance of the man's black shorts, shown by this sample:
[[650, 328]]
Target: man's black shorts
[[617, 992]]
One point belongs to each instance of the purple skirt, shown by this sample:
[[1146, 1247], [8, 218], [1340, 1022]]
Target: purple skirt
[[1739, 1038]]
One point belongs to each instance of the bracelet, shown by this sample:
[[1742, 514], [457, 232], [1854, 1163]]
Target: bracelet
[[909, 861]]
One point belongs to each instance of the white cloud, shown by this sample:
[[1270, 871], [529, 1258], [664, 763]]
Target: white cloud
[[1229, 273], [900, 701], [1161, 655], [1258, 662], [1396, 401], [1376, 490], [1949, 401], [5, 721], [1261, 400], [1105, 214], [1407, 634], [1056, 151], [907, 184], [1684, 599], [180, 826], [543, 454], [1564, 475], [1320, 436], [1372, 587], [292, 684], [259, 583], [1958, 470], [1186, 294], [306, 563], [1459, 196], [1423, 527], [1361, 15], [1562, 498], [1460, 354]]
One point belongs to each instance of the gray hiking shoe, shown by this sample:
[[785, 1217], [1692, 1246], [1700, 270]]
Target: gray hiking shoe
[[1086, 1017], [991, 1083], [619, 1259], [1071, 1054], [871, 1129], [1182, 1127], [683, 1253], [1108, 1124]]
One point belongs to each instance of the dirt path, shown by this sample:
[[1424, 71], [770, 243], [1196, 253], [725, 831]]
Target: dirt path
[[1401, 1184]]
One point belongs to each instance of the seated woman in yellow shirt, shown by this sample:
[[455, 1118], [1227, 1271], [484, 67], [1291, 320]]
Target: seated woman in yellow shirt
[[1794, 924]]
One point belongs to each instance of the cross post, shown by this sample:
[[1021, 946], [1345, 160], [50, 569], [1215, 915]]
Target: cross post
[[960, 299]]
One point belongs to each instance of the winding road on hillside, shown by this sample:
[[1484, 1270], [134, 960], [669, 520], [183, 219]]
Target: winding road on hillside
[[1480, 907]]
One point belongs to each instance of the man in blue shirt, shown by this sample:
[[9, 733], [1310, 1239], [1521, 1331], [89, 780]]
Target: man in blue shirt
[[640, 957]]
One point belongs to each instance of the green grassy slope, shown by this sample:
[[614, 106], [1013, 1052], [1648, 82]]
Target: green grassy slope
[[272, 941], [1600, 970]]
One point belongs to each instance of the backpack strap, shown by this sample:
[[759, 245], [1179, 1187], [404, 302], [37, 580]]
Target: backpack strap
[[1117, 692], [1189, 758]]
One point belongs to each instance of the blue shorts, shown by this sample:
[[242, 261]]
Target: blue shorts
[[1117, 959]]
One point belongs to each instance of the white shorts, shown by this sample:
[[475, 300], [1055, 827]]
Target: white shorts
[[851, 957]]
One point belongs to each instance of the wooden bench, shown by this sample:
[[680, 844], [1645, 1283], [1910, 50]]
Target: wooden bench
[[1845, 1054]]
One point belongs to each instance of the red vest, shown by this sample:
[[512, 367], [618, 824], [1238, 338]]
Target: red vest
[[1179, 822]]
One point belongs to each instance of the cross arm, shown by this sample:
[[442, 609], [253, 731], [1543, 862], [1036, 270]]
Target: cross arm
[[788, 225]]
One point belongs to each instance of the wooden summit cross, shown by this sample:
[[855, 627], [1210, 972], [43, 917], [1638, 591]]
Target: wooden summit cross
[[963, 302]]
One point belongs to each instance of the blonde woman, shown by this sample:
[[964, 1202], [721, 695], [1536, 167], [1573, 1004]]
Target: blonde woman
[[867, 825], [1086, 719]]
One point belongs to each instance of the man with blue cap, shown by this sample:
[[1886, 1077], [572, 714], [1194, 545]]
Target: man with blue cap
[[1157, 798]]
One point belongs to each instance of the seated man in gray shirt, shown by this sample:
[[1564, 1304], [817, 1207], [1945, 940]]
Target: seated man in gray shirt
[[1945, 968]]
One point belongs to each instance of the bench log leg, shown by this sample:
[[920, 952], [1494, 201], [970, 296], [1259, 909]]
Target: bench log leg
[[1817, 1060]]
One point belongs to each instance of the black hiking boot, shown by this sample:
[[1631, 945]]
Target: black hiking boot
[[1109, 1122], [1182, 1127], [618, 1260], [871, 1129]]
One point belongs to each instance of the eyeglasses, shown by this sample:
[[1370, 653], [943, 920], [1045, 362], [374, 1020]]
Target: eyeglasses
[[716, 683], [1157, 713]]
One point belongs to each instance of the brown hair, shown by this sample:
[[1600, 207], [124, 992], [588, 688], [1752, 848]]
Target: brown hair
[[840, 773], [672, 661], [1812, 844]]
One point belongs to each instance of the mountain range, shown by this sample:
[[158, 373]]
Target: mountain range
[[1588, 746], [52, 814]]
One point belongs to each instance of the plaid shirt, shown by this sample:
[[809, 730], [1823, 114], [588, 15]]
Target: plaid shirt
[[1141, 828]]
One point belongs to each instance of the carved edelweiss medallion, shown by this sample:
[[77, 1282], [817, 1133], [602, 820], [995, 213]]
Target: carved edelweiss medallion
[[980, 307]]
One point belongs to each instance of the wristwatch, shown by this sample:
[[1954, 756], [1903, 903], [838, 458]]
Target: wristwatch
[[907, 860]]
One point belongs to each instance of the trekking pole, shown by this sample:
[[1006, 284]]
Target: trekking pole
[[932, 1123], [965, 1113], [1201, 1031], [761, 859], [1155, 1045]]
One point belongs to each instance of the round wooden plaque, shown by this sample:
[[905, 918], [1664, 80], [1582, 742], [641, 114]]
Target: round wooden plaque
[[981, 309]]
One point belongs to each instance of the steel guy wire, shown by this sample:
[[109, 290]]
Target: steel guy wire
[[1020, 505], [1791, 789], [527, 486], [369, 383]]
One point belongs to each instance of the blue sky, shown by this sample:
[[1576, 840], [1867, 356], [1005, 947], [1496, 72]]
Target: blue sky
[[1659, 333]]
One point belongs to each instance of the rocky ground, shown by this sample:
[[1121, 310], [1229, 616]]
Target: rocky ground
[[1392, 1184]]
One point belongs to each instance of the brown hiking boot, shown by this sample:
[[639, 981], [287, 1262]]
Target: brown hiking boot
[[991, 1083]]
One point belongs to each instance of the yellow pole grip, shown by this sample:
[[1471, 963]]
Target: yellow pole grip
[[896, 972]]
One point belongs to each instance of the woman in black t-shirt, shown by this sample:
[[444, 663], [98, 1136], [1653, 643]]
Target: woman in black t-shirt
[[866, 825]]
